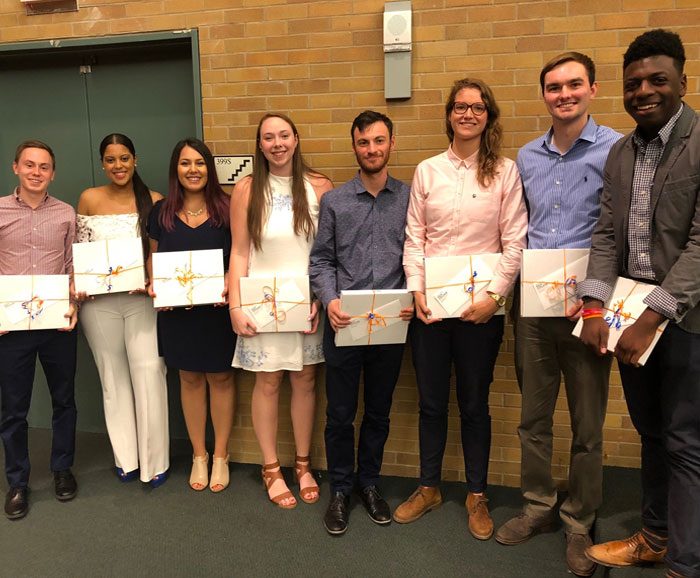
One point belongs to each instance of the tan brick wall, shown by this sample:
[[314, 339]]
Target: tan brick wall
[[322, 63]]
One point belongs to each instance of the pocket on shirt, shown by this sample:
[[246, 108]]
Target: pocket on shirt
[[483, 206]]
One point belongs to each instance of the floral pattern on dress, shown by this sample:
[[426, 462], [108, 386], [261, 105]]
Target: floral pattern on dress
[[247, 357], [281, 203], [313, 354]]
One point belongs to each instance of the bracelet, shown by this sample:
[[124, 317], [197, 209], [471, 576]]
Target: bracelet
[[591, 311], [592, 316], [235, 307]]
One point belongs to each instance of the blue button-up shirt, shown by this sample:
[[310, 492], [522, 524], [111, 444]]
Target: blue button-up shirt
[[562, 190], [359, 243]]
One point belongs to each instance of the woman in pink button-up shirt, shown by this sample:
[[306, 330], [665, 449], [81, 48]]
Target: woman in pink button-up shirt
[[465, 201]]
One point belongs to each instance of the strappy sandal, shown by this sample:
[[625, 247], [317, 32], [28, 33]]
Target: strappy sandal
[[200, 473], [302, 466], [219, 474], [269, 478]]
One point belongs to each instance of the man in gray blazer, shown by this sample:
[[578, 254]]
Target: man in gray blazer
[[649, 230]]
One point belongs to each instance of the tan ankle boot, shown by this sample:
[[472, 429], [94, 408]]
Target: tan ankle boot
[[420, 502], [480, 522]]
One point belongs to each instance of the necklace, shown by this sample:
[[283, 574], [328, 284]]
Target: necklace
[[194, 213]]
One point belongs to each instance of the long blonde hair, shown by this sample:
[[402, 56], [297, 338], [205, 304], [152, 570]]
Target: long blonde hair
[[261, 195]]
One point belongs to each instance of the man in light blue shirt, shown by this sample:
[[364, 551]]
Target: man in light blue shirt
[[562, 175]]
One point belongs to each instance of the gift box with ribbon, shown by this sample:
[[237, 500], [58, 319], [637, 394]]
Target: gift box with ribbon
[[277, 304], [188, 278], [108, 266], [548, 280], [454, 283], [29, 302], [375, 317], [622, 309]]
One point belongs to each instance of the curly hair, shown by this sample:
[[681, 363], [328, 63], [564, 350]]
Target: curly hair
[[492, 137], [656, 42]]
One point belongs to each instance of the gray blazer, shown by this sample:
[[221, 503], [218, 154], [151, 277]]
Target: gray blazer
[[675, 218]]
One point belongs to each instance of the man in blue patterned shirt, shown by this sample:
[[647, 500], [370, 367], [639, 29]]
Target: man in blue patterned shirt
[[562, 175], [359, 245], [649, 230]]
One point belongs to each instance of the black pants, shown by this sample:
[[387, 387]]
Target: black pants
[[57, 354], [663, 398], [381, 365], [473, 350]]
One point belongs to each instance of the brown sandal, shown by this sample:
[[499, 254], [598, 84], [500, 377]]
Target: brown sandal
[[302, 466], [269, 478]]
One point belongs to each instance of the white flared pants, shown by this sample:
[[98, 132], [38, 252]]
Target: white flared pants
[[121, 331]]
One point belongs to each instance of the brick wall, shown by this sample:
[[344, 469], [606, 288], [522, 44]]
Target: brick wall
[[322, 63]]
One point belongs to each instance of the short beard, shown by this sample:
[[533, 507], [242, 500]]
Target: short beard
[[371, 170]]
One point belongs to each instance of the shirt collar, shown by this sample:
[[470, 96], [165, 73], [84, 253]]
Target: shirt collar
[[360, 188], [664, 133], [457, 162], [589, 133], [22, 202]]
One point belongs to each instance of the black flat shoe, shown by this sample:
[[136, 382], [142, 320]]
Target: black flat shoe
[[336, 519], [377, 508], [66, 486], [16, 503]]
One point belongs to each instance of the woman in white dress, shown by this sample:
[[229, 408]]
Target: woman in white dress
[[121, 327], [274, 214]]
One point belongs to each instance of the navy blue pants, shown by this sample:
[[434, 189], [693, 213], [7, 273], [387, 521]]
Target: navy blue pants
[[663, 399], [473, 350], [57, 354], [380, 366]]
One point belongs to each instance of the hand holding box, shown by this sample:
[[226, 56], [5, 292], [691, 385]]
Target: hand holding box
[[188, 278], [277, 304], [376, 317], [108, 266], [29, 302]]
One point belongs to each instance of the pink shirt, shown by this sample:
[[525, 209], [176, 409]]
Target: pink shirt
[[36, 241], [451, 214]]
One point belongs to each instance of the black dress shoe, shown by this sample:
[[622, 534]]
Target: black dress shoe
[[16, 503], [376, 506], [336, 519], [66, 486]]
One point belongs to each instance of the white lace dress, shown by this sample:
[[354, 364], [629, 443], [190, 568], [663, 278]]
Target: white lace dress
[[121, 331], [283, 253]]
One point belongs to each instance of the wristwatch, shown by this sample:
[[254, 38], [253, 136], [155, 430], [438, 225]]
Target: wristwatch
[[498, 299]]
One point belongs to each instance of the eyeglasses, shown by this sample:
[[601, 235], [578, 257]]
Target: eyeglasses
[[478, 108]]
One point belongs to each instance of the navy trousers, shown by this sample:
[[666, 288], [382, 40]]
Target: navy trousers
[[380, 366], [473, 350], [663, 399], [57, 354]]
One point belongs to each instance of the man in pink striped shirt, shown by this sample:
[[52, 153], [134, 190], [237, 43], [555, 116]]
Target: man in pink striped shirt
[[36, 236]]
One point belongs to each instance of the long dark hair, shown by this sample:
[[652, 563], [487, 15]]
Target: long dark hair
[[492, 137], [142, 194], [261, 196], [216, 199]]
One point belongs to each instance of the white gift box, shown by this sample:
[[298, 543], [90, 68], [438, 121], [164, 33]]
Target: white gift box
[[30, 302], [548, 280], [277, 304], [187, 278], [108, 266], [454, 283], [375, 317], [622, 309]]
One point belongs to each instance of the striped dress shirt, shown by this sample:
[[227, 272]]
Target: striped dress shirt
[[36, 241], [562, 190]]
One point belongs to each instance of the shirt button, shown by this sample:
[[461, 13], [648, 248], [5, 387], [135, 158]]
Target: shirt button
[[34, 266], [640, 224], [554, 230], [642, 254], [556, 206], [645, 192], [558, 182]]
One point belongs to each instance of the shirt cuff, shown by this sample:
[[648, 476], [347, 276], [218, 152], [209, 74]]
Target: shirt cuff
[[415, 283], [594, 289], [663, 303], [326, 296]]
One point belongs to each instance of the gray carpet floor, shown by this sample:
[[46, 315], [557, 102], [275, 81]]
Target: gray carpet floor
[[122, 530]]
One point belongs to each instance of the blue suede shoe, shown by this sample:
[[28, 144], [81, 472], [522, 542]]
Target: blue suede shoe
[[158, 480], [127, 476]]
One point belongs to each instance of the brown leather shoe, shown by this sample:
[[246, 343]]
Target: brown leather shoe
[[420, 502], [480, 523], [521, 528], [621, 553], [576, 545]]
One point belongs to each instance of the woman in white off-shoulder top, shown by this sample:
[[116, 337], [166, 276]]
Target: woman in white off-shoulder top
[[121, 327]]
